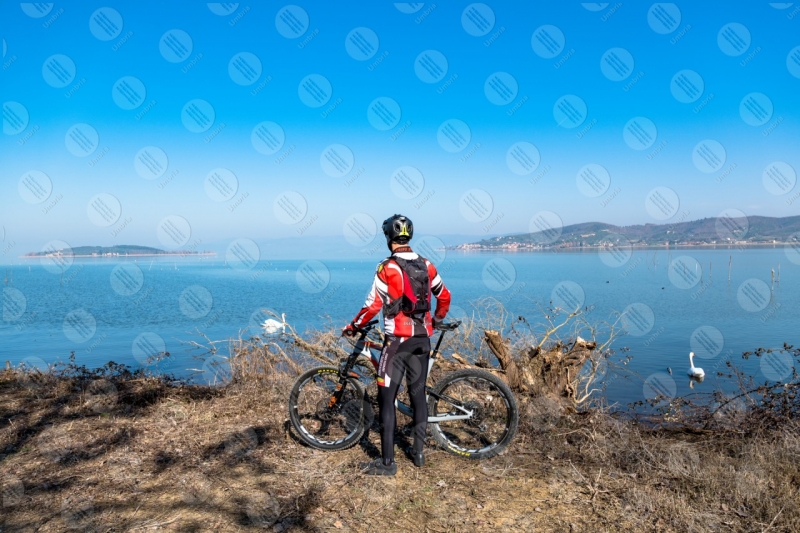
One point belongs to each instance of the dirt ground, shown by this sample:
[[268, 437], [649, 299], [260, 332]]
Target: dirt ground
[[138, 455]]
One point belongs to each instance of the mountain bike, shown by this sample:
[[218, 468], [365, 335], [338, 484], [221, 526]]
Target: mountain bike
[[471, 413]]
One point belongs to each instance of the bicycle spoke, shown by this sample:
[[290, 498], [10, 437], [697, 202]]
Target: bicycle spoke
[[490, 419], [321, 422]]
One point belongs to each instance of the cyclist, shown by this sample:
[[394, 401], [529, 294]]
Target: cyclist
[[402, 289]]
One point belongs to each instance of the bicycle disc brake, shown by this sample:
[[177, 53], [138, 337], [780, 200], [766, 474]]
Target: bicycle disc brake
[[477, 413]]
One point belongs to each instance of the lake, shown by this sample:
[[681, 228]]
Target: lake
[[123, 310]]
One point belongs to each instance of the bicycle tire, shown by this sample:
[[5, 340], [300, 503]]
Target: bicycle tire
[[451, 435], [349, 413]]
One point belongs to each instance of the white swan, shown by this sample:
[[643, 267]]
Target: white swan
[[272, 326], [694, 372]]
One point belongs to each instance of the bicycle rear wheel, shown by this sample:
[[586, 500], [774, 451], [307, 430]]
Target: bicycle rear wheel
[[319, 425], [495, 414]]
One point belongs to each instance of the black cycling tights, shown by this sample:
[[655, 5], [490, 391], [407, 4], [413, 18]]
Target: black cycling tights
[[409, 358]]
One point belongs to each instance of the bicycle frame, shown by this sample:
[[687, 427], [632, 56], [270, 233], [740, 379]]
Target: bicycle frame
[[364, 346]]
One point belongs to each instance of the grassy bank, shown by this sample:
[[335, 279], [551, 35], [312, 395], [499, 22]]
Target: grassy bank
[[111, 450]]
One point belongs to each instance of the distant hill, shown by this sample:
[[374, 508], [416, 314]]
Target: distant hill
[[706, 231], [120, 250]]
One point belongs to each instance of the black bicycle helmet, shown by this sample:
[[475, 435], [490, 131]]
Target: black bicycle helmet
[[397, 229]]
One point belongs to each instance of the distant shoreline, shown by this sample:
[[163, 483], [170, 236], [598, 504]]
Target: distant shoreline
[[116, 256], [632, 247]]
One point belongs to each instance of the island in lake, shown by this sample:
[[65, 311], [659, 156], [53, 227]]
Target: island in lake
[[122, 250]]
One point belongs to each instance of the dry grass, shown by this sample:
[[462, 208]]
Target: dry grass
[[115, 451]]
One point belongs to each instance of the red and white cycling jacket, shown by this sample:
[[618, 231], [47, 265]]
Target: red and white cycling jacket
[[388, 286]]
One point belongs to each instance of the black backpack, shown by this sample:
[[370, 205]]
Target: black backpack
[[416, 288]]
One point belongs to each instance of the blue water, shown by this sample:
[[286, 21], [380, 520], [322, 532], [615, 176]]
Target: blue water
[[86, 309]]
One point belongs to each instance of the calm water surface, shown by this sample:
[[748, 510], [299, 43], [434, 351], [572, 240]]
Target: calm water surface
[[118, 310]]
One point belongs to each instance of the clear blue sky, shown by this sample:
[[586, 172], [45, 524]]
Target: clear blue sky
[[504, 77]]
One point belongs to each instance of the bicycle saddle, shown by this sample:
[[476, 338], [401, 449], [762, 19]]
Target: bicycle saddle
[[450, 326]]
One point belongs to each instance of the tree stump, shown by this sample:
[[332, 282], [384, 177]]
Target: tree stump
[[538, 372]]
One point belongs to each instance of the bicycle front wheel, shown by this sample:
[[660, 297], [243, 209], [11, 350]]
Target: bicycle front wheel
[[493, 423], [317, 423]]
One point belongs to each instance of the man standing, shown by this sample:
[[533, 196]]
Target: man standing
[[402, 289]]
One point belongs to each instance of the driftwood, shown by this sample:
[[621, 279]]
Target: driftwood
[[538, 372]]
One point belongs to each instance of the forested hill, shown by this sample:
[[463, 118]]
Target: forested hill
[[720, 230]]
